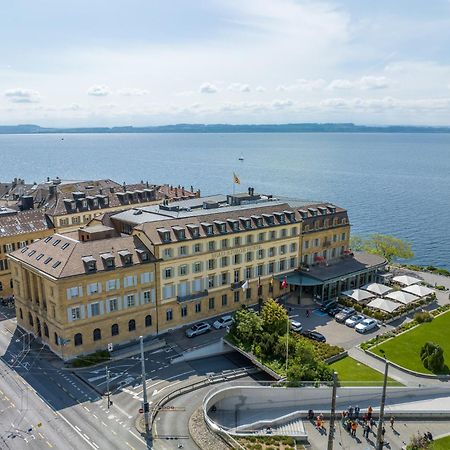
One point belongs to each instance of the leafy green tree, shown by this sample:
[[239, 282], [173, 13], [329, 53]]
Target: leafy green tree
[[274, 317], [432, 356], [248, 325], [384, 245]]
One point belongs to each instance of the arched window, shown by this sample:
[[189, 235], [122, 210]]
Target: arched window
[[78, 339], [45, 330], [30, 319], [97, 334], [148, 321], [21, 313], [114, 329], [131, 325], [55, 335]]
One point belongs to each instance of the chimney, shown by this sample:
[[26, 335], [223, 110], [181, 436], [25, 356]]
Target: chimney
[[124, 187], [249, 191], [147, 184], [182, 190], [192, 188]]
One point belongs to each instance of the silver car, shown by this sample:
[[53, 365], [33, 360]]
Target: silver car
[[199, 328]]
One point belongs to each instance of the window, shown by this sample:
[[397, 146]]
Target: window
[[147, 297], [46, 334], [260, 270], [237, 275], [147, 277], [282, 264], [224, 278], [271, 252], [95, 309], [248, 273], [198, 307], [111, 285], [249, 256], [248, 294], [168, 272], [293, 247], [21, 313], [211, 281], [8, 248], [132, 325], [92, 288], [183, 250], [316, 242], [282, 249], [197, 267], [77, 339], [224, 261], [224, 300], [236, 295], [128, 281], [115, 329], [183, 311], [343, 237], [183, 270], [167, 253], [211, 245], [272, 234], [270, 267], [260, 254], [224, 243], [113, 305], [283, 232], [73, 292], [249, 239], [211, 264], [148, 321], [197, 248], [294, 231], [211, 303], [130, 301], [237, 258], [261, 237], [168, 291], [292, 263], [97, 334], [197, 285], [334, 237], [75, 313], [306, 245], [169, 315]]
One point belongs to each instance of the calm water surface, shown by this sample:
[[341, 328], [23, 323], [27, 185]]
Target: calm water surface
[[391, 183]]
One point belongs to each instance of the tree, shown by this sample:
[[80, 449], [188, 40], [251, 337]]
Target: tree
[[274, 317], [419, 442], [247, 325], [389, 247], [432, 357]]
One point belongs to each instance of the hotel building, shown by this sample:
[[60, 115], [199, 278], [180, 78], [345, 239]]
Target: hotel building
[[151, 269]]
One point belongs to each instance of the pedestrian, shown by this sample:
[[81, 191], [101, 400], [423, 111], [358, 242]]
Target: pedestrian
[[366, 430], [307, 313], [348, 425], [429, 436], [350, 412], [372, 423], [392, 422], [369, 412], [357, 409], [383, 432], [354, 427]]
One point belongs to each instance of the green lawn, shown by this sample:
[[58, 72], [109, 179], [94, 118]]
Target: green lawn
[[441, 444], [351, 372], [405, 349]]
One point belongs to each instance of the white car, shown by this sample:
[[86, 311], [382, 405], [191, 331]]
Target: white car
[[199, 328], [223, 322], [296, 326], [366, 325], [354, 320]]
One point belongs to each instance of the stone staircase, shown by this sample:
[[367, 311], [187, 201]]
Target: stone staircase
[[293, 427]]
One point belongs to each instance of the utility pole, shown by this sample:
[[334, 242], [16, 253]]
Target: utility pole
[[107, 386], [380, 438], [333, 413], [145, 405]]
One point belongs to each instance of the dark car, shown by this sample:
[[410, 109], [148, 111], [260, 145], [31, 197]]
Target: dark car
[[343, 315], [315, 335], [334, 310], [327, 306]]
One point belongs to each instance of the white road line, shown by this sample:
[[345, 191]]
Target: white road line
[[95, 445], [87, 437], [78, 428], [122, 411], [95, 416], [87, 409], [137, 437], [103, 423]]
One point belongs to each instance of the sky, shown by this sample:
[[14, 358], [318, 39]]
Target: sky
[[152, 62]]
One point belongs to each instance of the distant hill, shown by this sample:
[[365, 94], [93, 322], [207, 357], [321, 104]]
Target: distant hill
[[225, 128]]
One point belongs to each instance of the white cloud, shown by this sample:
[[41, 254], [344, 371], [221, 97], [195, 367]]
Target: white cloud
[[370, 82], [98, 91], [303, 84], [260, 89], [239, 87], [131, 92], [341, 84], [20, 95], [208, 88]]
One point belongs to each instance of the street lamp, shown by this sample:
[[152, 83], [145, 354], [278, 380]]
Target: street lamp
[[380, 443]]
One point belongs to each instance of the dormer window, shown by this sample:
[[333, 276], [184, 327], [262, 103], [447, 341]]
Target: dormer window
[[180, 232], [127, 257], [313, 212], [303, 213], [164, 234], [290, 215], [194, 230], [322, 210], [84, 203], [108, 261], [269, 219], [73, 204], [208, 228], [234, 224], [280, 217], [258, 221], [90, 263], [221, 226]]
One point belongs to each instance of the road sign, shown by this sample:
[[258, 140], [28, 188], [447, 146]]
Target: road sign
[[146, 407], [110, 347]]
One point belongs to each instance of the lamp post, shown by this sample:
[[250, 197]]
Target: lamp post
[[380, 442], [333, 413]]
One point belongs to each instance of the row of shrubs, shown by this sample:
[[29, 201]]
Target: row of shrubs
[[419, 317], [382, 315], [270, 442], [431, 269], [98, 357]]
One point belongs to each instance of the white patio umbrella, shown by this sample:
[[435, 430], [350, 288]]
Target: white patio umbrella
[[402, 297], [419, 290], [406, 280], [377, 288], [358, 294], [384, 305]]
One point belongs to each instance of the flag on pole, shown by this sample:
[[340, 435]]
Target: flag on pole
[[284, 283], [245, 285], [236, 179], [259, 286]]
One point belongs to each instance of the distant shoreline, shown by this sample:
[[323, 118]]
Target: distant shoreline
[[227, 128]]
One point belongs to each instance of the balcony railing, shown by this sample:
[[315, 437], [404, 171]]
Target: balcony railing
[[194, 296]]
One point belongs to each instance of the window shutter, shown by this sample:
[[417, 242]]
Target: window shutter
[[119, 303], [152, 295], [141, 298], [88, 310], [80, 291], [135, 280], [125, 282], [118, 283], [69, 314], [82, 312], [99, 288], [69, 295], [107, 286], [108, 309], [102, 307]]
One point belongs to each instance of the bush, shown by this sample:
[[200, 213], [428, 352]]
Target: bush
[[432, 357], [89, 360], [419, 443], [421, 317]]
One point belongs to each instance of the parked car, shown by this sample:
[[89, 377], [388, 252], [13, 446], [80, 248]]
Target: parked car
[[223, 322], [315, 335], [327, 306], [334, 310], [199, 328], [366, 325], [344, 315], [352, 321], [296, 326]]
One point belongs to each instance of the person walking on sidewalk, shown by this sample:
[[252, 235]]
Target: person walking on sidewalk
[[354, 427], [392, 422]]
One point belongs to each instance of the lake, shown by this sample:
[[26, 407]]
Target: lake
[[397, 184]]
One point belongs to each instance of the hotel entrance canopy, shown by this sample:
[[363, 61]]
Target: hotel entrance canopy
[[299, 279]]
